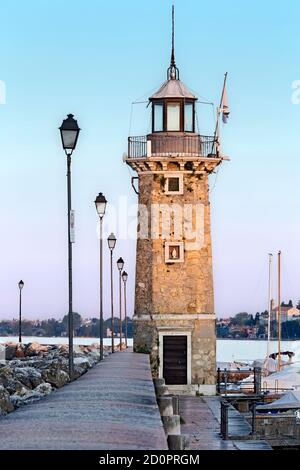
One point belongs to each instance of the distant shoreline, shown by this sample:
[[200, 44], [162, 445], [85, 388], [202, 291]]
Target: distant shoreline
[[228, 350], [273, 340], [65, 337]]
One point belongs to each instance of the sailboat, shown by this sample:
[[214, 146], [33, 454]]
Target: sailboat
[[274, 361], [279, 374]]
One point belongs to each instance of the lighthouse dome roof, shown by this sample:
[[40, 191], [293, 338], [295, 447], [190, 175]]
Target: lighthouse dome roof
[[173, 88]]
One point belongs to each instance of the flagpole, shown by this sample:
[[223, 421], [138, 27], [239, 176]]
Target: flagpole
[[269, 304], [217, 131]]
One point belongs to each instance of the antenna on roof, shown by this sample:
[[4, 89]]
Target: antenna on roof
[[173, 72]]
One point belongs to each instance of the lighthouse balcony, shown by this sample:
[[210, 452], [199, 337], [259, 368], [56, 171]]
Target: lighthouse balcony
[[170, 145]]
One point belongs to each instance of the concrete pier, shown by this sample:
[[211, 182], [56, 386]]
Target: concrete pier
[[112, 407]]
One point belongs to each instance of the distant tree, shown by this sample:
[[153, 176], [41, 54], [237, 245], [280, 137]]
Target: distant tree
[[290, 329], [95, 328], [261, 330], [274, 328], [77, 321], [56, 328], [6, 328], [222, 331], [130, 328], [242, 319]]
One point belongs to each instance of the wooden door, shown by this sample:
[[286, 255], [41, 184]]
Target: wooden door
[[175, 360]]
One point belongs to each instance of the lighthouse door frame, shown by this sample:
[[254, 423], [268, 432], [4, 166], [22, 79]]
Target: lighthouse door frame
[[188, 334]]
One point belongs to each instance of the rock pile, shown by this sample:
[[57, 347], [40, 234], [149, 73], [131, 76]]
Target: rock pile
[[31, 371]]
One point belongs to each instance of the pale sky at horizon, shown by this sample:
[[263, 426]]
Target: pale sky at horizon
[[94, 58]]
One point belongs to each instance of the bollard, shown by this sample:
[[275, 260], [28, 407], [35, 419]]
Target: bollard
[[176, 442], [219, 381], [165, 405], [224, 419], [254, 418], [161, 390], [225, 380], [257, 380], [175, 399], [171, 425], [159, 382]]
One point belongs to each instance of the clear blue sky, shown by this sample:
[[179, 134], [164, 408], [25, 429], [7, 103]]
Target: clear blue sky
[[93, 58]]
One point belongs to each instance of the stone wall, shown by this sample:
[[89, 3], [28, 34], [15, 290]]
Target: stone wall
[[204, 353], [179, 288], [278, 430]]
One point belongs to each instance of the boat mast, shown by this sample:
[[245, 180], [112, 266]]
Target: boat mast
[[269, 304], [279, 309]]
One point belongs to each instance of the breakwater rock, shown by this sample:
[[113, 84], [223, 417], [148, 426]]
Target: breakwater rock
[[29, 372]]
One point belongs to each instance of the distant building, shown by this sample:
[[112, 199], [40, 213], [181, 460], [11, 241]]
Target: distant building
[[224, 322], [288, 313], [263, 319]]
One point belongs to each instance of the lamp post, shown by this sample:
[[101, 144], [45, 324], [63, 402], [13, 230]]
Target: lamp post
[[69, 132], [125, 277], [120, 264], [100, 204], [21, 285], [111, 245]]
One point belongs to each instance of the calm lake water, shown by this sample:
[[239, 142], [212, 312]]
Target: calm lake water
[[227, 350]]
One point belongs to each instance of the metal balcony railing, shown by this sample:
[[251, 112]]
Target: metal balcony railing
[[157, 145]]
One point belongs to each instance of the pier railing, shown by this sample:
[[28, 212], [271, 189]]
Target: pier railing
[[232, 381], [237, 422]]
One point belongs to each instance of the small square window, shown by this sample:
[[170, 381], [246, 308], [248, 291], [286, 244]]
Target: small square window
[[174, 252], [174, 184]]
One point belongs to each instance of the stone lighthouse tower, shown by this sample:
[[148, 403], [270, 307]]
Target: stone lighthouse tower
[[174, 318]]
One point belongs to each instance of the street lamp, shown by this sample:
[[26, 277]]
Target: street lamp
[[21, 285], [125, 277], [69, 132], [120, 264], [100, 204], [111, 245]]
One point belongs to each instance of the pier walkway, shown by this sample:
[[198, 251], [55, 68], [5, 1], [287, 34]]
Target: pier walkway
[[111, 407]]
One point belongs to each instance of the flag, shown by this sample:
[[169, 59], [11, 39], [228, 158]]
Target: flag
[[225, 107]]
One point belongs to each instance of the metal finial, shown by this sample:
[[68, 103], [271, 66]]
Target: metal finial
[[173, 72], [173, 25]]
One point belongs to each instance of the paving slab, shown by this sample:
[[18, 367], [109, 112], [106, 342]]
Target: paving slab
[[111, 407], [201, 422]]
